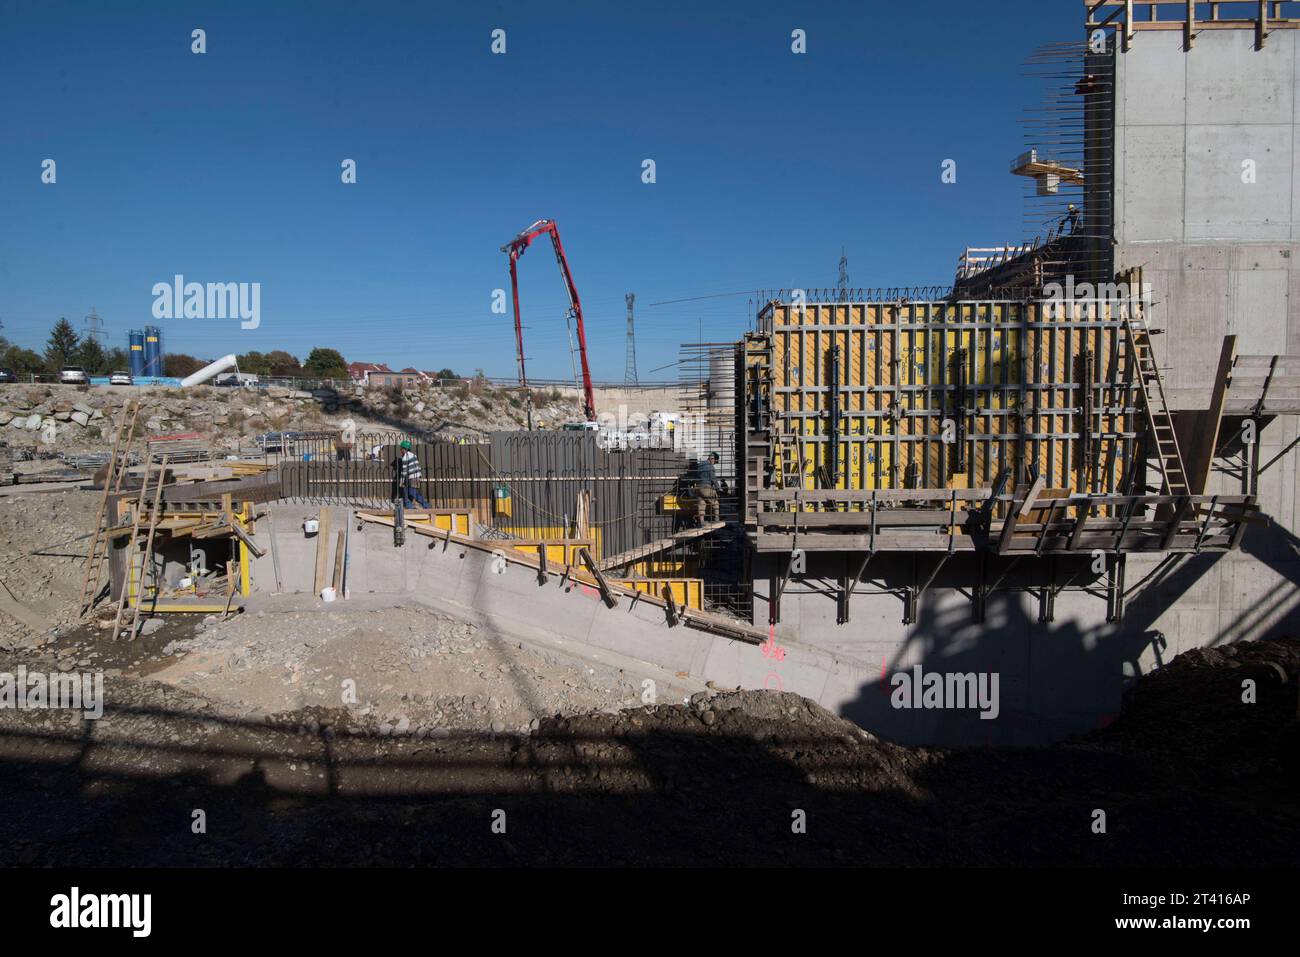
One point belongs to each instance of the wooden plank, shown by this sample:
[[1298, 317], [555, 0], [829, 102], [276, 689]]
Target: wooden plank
[[322, 551], [866, 495], [1205, 438], [606, 593], [653, 548], [884, 518], [339, 551]]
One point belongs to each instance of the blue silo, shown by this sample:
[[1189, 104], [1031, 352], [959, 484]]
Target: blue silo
[[135, 351], [153, 354]]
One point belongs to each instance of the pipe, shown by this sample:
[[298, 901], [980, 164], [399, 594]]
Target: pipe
[[208, 371]]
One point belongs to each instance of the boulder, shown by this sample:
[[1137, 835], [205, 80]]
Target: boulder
[[6, 418], [33, 422], [81, 418]]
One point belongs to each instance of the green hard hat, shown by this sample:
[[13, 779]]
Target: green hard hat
[[406, 444]]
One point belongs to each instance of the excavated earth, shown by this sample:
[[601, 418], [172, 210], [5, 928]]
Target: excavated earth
[[1192, 773]]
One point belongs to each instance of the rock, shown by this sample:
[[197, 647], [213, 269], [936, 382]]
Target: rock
[[6, 418], [81, 418], [403, 725], [151, 625], [62, 416], [498, 727], [33, 422], [385, 729]]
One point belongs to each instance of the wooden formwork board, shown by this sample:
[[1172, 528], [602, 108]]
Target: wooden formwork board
[[948, 394]]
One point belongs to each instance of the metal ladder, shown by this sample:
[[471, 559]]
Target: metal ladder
[[1160, 423]]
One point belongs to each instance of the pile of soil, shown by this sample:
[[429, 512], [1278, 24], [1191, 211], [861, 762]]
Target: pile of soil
[[1226, 714]]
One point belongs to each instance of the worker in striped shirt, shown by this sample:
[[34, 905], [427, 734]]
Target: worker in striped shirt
[[408, 477]]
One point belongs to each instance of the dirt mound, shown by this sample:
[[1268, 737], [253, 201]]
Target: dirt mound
[[1227, 713]]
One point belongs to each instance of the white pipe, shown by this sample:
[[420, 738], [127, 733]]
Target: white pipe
[[208, 371]]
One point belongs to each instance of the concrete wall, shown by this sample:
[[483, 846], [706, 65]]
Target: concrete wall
[[1220, 253]]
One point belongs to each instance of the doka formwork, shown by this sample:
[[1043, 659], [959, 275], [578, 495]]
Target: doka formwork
[[1011, 430], [945, 394]]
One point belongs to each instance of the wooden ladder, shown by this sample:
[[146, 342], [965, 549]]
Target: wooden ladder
[[1160, 423], [130, 547], [119, 461]]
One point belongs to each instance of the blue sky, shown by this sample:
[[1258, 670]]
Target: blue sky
[[225, 167]]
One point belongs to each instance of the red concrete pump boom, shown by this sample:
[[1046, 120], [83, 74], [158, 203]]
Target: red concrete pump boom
[[515, 248]]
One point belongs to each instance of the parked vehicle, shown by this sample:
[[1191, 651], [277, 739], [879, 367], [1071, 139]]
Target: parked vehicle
[[232, 380], [73, 375], [7, 375], [121, 378]]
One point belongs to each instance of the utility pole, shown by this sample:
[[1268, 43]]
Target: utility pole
[[629, 367]]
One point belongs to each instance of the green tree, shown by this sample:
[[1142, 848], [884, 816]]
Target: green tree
[[179, 365], [22, 361], [116, 360], [283, 364], [254, 363], [447, 374], [90, 356], [62, 346], [327, 364]]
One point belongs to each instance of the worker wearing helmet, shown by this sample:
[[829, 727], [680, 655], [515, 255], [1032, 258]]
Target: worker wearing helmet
[[408, 475]]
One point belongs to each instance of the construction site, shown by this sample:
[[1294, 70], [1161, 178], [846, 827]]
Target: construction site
[[1062, 484]]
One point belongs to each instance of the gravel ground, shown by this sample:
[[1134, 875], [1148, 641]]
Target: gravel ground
[[755, 778]]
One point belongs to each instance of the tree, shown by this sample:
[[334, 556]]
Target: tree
[[90, 356], [254, 363], [22, 361], [179, 365], [62, 346], [326, 364], [447, 374], [116, 360], [283, 364]]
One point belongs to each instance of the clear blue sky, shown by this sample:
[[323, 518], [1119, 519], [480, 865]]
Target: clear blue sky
[[225, 167]]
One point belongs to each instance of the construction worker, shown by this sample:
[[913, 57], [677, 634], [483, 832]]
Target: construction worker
[[408, 475], [1071, 220], [706, 489]]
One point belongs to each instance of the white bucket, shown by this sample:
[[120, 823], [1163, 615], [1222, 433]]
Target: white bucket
[[327, 594], [311, 526]]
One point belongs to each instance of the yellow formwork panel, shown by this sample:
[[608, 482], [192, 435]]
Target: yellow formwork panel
[[456, 521], [559, 551], [899, 367], [688, 592]]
